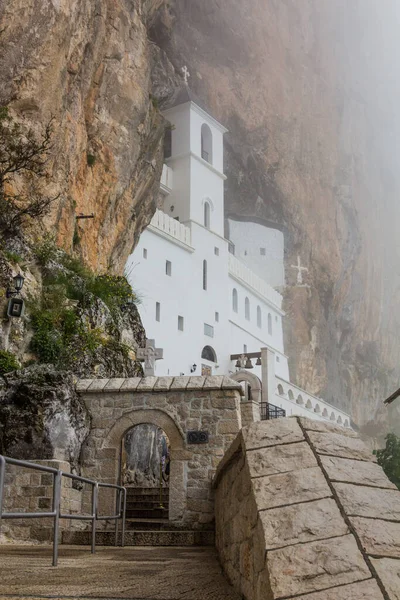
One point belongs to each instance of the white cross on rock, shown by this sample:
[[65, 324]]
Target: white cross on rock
[[300, 270], [149, 355]]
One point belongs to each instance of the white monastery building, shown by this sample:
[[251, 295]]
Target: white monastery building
[[203, 297]]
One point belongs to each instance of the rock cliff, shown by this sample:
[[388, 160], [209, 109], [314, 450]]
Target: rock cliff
[[308, 93], [87, 64]]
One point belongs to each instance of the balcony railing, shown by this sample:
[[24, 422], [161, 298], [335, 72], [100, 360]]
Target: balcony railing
[[172, 227], [270, 411]]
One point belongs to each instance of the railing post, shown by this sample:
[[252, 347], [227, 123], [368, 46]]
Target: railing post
[[118, 512], [123, 517], [95, 497], [2, 479], [57, 480]]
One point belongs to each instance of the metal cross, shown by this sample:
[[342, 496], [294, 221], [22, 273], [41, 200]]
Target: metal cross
[[300, 270], [149, 355], [186, 74]]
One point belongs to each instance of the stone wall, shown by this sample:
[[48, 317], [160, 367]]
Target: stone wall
[[303, 511], [177, 405], [27, 490]]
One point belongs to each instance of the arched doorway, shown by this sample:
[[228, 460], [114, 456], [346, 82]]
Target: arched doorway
[[112, 468], [145, 472], [252, 396]]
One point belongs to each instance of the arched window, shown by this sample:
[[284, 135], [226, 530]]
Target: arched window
[[204, 274], [207, 215], [339, 421], [247, 308], [280, 390], [290, 394], [206, 143], [325, 413], [269, 324], [235, 300], [259, 317], [208, 353], [309, 404], [317, 409], [300, 400]]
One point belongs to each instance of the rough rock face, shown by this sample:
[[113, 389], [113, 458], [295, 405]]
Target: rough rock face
[[87, 63], [144, 446], [301, 87], [42, 416]]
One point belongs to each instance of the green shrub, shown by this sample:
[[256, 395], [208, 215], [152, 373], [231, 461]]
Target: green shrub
[[46, 250], [8, 362], [13, 257], [389, 458]]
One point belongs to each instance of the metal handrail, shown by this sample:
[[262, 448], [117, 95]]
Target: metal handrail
[[56, 513], [270, 411]]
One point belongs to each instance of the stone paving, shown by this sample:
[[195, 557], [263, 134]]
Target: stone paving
[[135, 573]]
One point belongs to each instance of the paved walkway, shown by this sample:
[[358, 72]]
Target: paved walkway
[[138, 573]]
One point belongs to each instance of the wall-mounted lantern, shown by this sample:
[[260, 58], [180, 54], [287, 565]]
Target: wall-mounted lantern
[[16, 306], [18, 285]]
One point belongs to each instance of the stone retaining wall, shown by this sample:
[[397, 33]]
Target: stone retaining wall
[[27, 490], [303, 511]]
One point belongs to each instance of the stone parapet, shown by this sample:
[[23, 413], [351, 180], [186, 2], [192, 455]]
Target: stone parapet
[[303, 511], [158, 384]]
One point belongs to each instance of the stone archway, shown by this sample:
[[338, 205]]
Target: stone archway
[[250, 407], [112, 444]]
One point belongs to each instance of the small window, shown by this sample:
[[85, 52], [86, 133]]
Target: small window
[[180, 323], [207, 215], [269, 324], [244, 348], [263, 251], [204, 274], [245, 252], [216, 251], [208, 353], [206, 143], [259, 317], [217, 317], [235, 300], [278, 359], [168, 268], [144, 252], [208, 330], [158, 311], [247, 309]]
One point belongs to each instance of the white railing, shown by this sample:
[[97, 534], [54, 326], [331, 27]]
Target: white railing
[[166, 182], [172, 227], [308, 405], [242, 273]]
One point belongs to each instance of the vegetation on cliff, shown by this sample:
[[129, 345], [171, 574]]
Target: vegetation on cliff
[[389, 458]]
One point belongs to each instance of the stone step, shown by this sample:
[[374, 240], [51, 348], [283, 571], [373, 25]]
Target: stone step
[[131, 491], [148, 504], [143, 513], [143, 538]]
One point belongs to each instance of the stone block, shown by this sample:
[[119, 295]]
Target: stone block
[[380, 538], [83, 384], [272, 433], [196, 383], [179, 383], [290, 488], [44, 503], [301, 523], [325, 427], [224, 402], [130, 384], [163, 384], [362, 590], [356, 471], [370, 502], [388, 570], [146, 384], [115, 384], [280, 459], [97, 385], [231, 426], [213, 382], [336, 444], [315, 566]]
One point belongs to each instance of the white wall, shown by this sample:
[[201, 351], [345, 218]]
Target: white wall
[[248, 238]]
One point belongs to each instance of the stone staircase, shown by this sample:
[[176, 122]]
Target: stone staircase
[[147, 524]]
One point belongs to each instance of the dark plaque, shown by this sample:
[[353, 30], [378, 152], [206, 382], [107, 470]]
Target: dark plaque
[[197, 437], [15, 307]]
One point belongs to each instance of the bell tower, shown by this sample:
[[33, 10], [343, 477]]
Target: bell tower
[[196, 156]]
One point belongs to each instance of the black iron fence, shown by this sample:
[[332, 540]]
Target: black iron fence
[[270, 411]]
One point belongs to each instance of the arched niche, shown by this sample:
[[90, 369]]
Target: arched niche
[[235, 301], [206, 144], [280, 390], [253, 381], [290, 395], [309, 404], [208, 353], [300, 400]]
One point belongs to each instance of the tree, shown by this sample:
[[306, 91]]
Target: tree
[[22, 153], [389, 458]]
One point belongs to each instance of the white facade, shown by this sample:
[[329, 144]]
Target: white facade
[[200, 303]]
